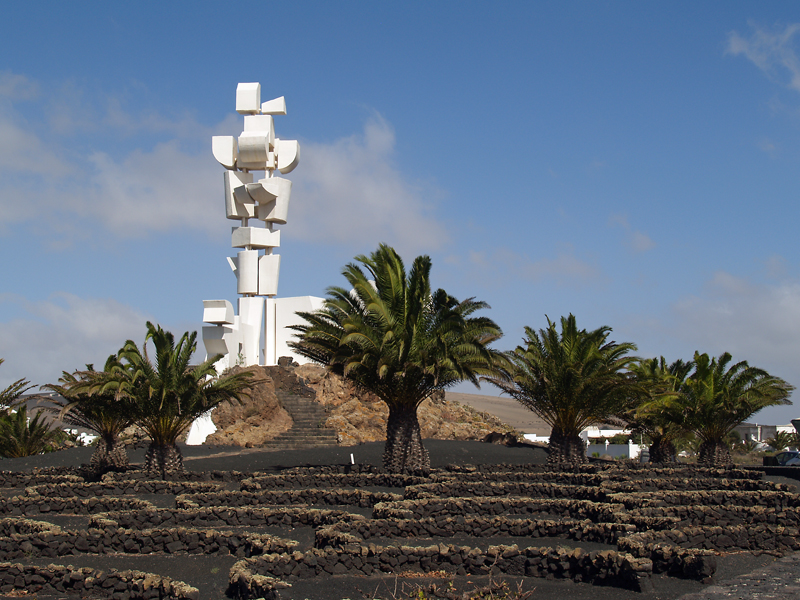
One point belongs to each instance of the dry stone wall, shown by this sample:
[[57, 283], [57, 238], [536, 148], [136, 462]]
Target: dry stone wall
[[672, 521], [87, 582], [223, 516], [337, 497], [45, 505]]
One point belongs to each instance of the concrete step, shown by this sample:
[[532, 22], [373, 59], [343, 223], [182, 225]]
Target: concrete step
[[304, 435], [300, 443], [307, 414], [296, 414]]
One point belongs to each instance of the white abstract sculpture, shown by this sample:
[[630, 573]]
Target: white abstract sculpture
[[256, 266]]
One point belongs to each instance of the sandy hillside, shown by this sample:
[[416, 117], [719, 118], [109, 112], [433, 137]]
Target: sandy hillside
[[507, 410]]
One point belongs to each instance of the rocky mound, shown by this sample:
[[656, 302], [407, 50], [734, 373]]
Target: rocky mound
[[356, 416], [260, 417], [361, 417]]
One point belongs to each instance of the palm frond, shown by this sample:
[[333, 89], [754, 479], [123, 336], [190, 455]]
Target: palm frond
[[392, 335]]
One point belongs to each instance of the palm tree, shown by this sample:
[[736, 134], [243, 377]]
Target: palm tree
[[393, 336], [10, 395], [571, 381], [21, 436], [169, 394], [782, 440], [660, 415], [107, 413], [717, 397]]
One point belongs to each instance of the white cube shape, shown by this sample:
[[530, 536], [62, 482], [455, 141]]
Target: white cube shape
[[224, 149], [218, 312], [260, 123], [260, 193], [248, 98], [238, 203], [285, 316], [288, 155], [253, 149], [276, 211], [247, 272], [274, 107], [219, 339], [254, 237], [269, 267]]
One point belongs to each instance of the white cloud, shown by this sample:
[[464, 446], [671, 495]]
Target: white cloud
[[351, 189], [157, 189], [343, 191], [635, 240], [757, 323], [160, 190], [17, 87], [774, 52], [22, 151], [183, 126], [63, 333]]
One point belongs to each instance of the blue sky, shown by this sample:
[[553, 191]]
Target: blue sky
[[636, 164]]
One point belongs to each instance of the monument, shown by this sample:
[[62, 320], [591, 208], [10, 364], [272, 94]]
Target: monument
[[261, 205]]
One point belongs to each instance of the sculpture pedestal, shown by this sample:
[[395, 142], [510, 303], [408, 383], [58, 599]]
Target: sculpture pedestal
[[242, 340]]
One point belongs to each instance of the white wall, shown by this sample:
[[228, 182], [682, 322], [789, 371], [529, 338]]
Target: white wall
[[285, 316]]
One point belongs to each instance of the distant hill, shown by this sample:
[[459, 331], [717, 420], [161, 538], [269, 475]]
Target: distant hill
[[509, 411]]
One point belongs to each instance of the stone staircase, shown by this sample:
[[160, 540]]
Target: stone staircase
[[306, 432]]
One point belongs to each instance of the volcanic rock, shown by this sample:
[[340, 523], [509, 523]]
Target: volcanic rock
[[360, 416], [260, 417]]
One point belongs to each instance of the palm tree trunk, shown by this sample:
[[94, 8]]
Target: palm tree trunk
[[564, 448], [662, 451], [714, 454], [109, 454], [162, 460], [404, 452]]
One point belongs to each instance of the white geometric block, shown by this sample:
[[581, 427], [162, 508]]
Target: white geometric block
[[254, 237], [260, 123], [285, 316], [260, 192], [253, 149], [202, 427], [218, 312], [274, 107], [270, 358], [288, 155], [247, 272], [242, 196], [219, 339], [238, 203], [248, 98], [251, 311], [224, 149], [276, 211], [269, 267]]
